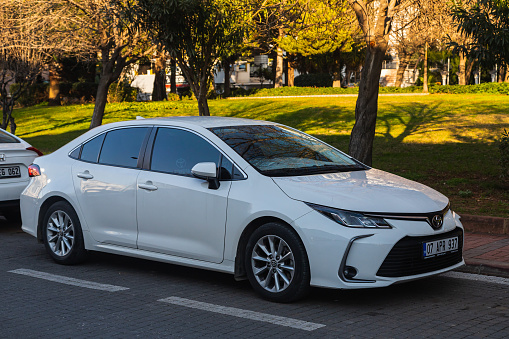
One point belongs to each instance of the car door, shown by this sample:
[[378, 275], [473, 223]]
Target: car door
[[105, 184], [179, 214]]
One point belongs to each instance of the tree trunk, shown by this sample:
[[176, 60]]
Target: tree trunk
[[461, 69], [403, 63], [203, 106], [425, 76], [173, 76], [54, 86], [291, 75], [100, 102], [13, 124], [468, 72], [363, 132], [278, 79], [159, 90], [227, 69]]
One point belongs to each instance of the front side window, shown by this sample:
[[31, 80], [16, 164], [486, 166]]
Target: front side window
[[121, 147], [176, 151], [281, 151]]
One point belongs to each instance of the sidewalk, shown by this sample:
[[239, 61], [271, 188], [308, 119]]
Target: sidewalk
[[487, 250]]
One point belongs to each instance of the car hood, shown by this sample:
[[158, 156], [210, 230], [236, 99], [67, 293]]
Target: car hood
[[365, 191]]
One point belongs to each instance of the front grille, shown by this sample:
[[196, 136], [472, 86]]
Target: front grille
[[406, 259]]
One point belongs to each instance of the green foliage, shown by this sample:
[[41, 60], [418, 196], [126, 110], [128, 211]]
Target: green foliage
[[486, 22], [296, 91], [313, 80], [321, 29], [35, 94], [83, 90], [504, 153], [120, 92], [489, 87], [173, 97]]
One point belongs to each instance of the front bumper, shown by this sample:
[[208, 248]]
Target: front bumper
[[379, 257]]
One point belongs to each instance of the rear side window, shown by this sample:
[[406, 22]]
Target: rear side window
[[7, 139], [121, 147], [91, 149], [176, 151]]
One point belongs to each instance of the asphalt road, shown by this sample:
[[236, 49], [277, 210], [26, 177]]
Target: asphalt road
[[118, 297]]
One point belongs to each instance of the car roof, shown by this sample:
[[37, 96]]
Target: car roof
[[208, 121]]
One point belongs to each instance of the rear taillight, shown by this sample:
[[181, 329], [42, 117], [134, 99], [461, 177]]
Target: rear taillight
[[34, 170], [33, 149]]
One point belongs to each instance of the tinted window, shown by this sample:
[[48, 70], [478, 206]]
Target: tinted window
[[176, 151], [281, 151], [76, 153], [122, 147], [91, 149], [7, 139]]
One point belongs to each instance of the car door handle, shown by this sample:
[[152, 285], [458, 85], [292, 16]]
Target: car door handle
[[148, 186], [85, 175]]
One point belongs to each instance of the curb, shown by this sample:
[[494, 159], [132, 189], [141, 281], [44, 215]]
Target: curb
[[482, 224], [477, 268]]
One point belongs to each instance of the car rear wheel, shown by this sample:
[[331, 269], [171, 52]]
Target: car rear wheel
[[276, 263], [62, 235]]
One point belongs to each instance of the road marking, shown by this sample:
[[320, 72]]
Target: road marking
[[240, 313], [477, 277], [69, 281]]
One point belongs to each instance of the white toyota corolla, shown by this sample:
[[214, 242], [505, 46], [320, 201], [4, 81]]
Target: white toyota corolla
[[15, 157], [252, 198]]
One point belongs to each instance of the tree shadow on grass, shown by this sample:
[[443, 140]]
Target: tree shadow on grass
[[419, 116]]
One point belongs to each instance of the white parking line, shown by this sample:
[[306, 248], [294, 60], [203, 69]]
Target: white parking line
[[240, 313], [477, 277], [69, 281]]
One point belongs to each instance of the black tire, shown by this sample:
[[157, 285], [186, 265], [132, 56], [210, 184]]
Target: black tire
[[62, 234], [274, 280]]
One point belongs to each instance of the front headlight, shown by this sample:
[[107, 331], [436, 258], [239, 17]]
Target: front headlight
[[351, 219]]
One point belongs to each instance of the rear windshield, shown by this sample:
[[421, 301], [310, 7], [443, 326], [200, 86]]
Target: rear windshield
[[281, 151], [6, 138]]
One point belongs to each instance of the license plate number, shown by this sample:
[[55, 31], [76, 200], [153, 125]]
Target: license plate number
[[10, 172], [438, 247]]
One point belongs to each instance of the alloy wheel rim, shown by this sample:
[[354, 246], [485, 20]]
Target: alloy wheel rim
[[273, 263], [60, 233]]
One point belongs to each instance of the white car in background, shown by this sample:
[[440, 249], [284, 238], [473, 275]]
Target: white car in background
[[15, 157], [256, 199]]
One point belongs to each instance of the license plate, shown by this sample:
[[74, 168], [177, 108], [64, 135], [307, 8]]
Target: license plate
[[10, 172], [438, 247]]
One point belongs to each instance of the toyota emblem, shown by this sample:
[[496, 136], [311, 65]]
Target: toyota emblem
[[437, 221], [2, 157]]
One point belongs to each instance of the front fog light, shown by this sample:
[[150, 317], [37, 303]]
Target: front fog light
[[351, 219], [349, 272]]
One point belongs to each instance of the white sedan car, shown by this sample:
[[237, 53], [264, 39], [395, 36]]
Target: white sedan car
[[15, 157], [256, 199]]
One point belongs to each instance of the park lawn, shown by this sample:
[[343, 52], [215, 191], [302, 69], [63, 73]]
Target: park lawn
[[448, 142]]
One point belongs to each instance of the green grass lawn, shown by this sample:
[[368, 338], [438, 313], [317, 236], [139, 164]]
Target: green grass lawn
[[448, 142]]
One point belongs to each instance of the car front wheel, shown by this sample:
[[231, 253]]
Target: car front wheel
[[62, 235], [276, 263]]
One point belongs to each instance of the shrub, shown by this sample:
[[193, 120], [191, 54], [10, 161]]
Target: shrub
[[120, 92], [35, 94], [504, 153], [314, 80], [173, 97], [83, 90]]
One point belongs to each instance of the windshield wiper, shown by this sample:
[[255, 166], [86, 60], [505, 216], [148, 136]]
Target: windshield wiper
[[285, 172]]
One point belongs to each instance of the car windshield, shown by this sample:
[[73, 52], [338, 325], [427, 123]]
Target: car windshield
[[278, 151], [7, 139]]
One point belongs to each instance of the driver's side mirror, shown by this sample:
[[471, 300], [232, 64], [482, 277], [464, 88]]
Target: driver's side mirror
[[207, 171]]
